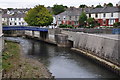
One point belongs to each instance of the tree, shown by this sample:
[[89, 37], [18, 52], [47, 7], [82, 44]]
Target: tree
[[58, 9], [99, 6], [82, 19], [82, 6], [110, 5], [92, 23], [9, 8], [116, 24], [38, 16]]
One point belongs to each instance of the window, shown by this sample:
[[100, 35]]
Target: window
[[70, 17], [104, 15], [89, 15], [19, 18], [75, 17], [111, 14], [111, 21], [15, 23], [104, 22], [15, 18], [10, 23], [19, 23], [96, 15]]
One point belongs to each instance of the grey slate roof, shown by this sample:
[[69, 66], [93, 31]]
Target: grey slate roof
[[13, 16], [71, 12], [105, 10]]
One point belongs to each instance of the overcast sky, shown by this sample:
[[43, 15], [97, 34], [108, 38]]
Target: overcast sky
[[32, 3]]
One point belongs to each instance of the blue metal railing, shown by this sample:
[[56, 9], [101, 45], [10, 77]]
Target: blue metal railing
[[24, 28], [116, 31]]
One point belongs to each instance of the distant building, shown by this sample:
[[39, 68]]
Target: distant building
[[14, 17], [70, 16], [106, 16]]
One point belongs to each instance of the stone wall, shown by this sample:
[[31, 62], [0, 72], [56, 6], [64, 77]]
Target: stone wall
[[104, 47]]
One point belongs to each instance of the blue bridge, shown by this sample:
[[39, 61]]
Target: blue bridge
[[7, 28]]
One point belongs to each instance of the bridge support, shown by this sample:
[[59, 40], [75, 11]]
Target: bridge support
[[32, 34], [62, 40]]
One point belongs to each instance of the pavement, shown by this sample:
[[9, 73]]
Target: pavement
[[113, 36]]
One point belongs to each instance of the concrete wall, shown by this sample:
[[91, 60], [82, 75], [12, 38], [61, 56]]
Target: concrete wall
[[104, 47]]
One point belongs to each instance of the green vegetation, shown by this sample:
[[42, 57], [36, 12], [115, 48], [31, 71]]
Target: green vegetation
[[58, 9], [65, 26], [38, 16], [82, 19], [10, 55], [92, 23], [110, 5], [82, 6], [116, 25], [9, 8], [98, 6]]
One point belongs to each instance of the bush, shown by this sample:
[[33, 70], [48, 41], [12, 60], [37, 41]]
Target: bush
[[65, 26], [117, 25]]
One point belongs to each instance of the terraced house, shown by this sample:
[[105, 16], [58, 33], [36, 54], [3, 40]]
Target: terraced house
[[70, 16], [14, 17], [106, 16]]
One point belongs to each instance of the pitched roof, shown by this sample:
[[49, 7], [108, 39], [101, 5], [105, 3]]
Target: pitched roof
[[105, 10], [13, 16], [71, 12]]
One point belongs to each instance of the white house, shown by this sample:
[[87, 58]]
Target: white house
[[14, 20], [14, 17]]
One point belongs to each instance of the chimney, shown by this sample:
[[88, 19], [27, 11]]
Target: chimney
[[72, 7], [117, 5], [92, 6], [105, 4]]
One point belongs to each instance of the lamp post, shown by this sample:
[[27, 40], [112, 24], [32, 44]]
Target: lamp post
[[0, 22], [1, 43]]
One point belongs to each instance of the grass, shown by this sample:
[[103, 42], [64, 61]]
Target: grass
[[10, 56]]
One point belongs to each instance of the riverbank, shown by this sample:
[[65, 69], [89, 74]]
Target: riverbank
[[15, 65]]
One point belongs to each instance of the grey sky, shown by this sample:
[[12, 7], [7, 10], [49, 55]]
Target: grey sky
[[32, 3]]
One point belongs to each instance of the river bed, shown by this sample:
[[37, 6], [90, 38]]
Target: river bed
[[62, 62]]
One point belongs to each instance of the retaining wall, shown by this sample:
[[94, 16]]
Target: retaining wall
[[104, 47]]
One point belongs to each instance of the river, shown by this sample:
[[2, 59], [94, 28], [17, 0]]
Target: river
[[62, 62]]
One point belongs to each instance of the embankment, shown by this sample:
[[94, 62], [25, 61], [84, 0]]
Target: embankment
[[16, 65]]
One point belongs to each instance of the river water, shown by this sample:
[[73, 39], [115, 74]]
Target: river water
[[62, 62]]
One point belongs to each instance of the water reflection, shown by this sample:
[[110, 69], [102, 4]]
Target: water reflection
[[62, 62]]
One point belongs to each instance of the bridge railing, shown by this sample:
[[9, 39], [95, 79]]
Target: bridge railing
[[24, 28]]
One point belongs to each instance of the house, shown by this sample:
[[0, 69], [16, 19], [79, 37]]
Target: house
[[14, 17], [69, 17], [106, 16]]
